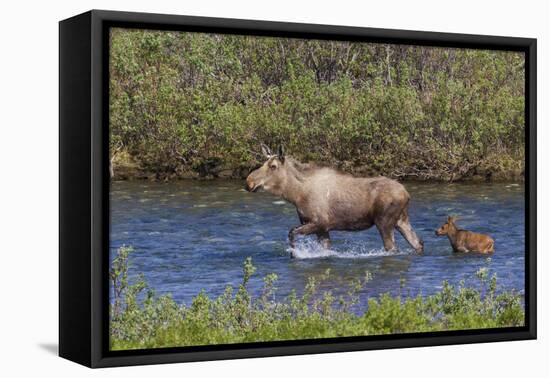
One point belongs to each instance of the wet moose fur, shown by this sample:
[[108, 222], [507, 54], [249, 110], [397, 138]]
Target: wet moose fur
[[465, 241], [327, 199]]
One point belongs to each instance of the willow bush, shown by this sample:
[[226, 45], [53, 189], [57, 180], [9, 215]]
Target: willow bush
[[186, 104], [239, 316]]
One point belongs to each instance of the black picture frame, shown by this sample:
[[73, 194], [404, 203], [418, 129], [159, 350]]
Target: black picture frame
[[84, 188]]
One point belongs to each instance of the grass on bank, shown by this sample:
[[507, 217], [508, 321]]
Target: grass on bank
[[238, 316]]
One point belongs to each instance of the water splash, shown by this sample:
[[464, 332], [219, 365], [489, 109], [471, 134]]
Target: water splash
[[311, 249]]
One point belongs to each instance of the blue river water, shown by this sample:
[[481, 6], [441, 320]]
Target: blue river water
[[193, 235]]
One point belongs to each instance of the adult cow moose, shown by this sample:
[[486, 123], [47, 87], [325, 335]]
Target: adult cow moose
[[329, 200]]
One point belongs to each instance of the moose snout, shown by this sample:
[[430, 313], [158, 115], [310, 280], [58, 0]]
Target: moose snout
[[250, 185]]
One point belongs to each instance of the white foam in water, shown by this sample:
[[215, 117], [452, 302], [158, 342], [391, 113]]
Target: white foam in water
[[311, 249]]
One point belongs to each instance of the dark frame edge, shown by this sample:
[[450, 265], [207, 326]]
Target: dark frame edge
[[531, 180], [94, 353], [75, 338], [99, 186], [277, 351]]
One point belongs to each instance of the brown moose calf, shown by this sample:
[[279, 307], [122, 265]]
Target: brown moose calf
[[465, 241]]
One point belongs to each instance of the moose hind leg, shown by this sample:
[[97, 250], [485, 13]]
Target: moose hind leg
[[387, 236], [404, 227], [324, 239]]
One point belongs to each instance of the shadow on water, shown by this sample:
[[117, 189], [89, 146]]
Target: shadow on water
[[193, 235]]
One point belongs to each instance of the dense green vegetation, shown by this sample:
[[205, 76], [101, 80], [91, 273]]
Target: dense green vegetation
[[187, 105], [238, 316]]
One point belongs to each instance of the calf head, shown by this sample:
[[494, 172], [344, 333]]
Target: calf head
[[444, 230]]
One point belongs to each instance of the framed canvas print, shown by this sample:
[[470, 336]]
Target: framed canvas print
[[233, 188]]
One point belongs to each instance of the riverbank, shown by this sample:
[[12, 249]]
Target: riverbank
[[497, 169], [238, 316]]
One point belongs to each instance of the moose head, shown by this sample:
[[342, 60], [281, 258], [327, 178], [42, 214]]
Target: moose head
[[271, 176]]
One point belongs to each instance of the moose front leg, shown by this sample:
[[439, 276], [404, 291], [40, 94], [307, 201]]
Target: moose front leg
[[306, 229], [324, 239]]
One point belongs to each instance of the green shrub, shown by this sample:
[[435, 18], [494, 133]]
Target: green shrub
[[201, 103], [240, 317]]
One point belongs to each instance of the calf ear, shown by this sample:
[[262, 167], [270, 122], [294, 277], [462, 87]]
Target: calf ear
[[266, 151], [281, 153]]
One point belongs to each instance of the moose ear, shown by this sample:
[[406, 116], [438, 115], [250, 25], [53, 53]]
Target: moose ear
[[266, 151], [281, 153], [449, 219]]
